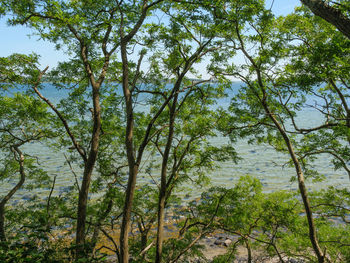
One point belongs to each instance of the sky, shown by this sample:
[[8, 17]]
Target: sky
[[16, 39]]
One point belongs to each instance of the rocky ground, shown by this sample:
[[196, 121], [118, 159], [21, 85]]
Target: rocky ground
[[218, 245]]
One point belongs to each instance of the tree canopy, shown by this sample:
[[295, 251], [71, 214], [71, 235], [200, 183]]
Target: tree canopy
[[137, 131]]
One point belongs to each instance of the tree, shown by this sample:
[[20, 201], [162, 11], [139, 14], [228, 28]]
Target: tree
[[62, 22], [117, 116], [181, 60], [166, 82], [256, 219], [24, 120], [128, 28], [259, 105], [92, 32]]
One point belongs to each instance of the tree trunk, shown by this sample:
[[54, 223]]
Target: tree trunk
[[163, 183], [160, 224], [133, 166], [249, 250], [88, 169], [302, 188], [126, 223], [19, 157], [263, 100], [330, 14], [2, 223], [144, 239], [81, 220]]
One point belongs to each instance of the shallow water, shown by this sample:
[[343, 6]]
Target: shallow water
[[260, 161]]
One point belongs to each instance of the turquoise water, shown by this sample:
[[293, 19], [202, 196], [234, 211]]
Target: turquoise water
[[260, 161]]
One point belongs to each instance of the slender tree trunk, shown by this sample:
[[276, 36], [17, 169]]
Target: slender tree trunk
[[278, 253], [160, 224], [82, 205], [126, 222], [2, 223], [302, 188], [88, 169], [19, 157], [163, 183], [133, 166], [130, 149], [249, 250], [144, 239], [89, 162]]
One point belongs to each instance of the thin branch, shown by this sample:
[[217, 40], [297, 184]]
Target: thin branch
[[72, 170], [60, 116]]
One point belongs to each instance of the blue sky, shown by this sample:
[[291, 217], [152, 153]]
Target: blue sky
[[16, 39]]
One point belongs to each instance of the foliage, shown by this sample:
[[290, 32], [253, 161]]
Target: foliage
[[272, 223], [137, 124]]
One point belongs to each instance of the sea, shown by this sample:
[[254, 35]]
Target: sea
[[260, 161]]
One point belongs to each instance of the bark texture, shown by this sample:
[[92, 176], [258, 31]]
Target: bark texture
[[330, 14]]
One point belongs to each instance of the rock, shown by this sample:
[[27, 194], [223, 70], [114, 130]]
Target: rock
[[219, 242], [241, 260], [227, 242], [198, 260], [294, 260]]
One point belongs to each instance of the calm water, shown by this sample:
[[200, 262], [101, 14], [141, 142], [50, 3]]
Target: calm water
[[260, 161]]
